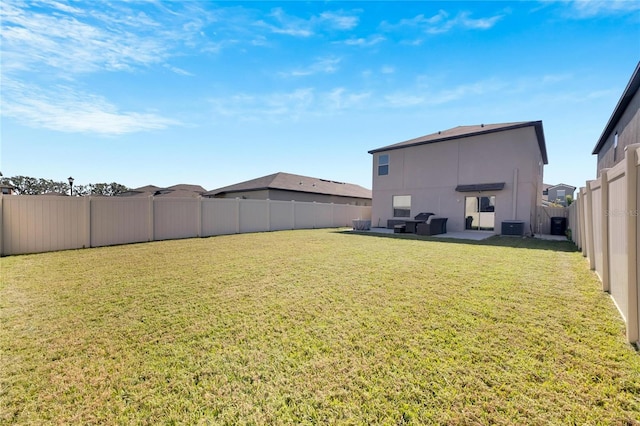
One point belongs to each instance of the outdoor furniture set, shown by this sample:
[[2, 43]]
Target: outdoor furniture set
[[422, 224]]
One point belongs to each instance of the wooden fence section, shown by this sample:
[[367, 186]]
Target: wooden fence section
[[607, 230], [33, 224]]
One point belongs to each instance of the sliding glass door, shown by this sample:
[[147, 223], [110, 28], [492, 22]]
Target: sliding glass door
[[479, 213]]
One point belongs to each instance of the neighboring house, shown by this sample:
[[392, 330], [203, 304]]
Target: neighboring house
[[180, 190], [476, 176], [557, 193], [290, 187], [6, 189], [623, 127]]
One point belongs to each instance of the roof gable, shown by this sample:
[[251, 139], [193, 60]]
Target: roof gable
[[561, 185], [461, 132], [623, 103]]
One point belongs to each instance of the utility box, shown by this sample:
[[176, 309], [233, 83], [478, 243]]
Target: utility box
[[558, 225], [513, 227]]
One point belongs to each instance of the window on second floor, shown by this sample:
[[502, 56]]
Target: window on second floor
[[383, 164], [615, 147]]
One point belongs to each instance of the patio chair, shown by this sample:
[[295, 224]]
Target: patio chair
[[433, 226]]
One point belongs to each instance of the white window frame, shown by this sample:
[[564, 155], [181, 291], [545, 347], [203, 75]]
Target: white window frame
[[401, 204]]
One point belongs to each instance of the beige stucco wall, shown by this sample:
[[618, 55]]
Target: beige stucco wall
[[628, 128], [431, 172]]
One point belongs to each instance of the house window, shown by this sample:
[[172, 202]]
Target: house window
[[383, 164], [615, 147], [402, 206], [560, 194]]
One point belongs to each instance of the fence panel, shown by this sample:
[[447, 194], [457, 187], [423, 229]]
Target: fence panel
[[616, 209], [175, 218], [323, 215], [254, 216], [120, 220], [596, 218], [304, 216], [34, 224], [219, 216], [281, 215]]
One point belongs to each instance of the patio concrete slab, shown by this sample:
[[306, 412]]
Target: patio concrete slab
[[467, 235], [464, 235]]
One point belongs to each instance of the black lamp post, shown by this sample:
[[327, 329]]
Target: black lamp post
[[71, 185]]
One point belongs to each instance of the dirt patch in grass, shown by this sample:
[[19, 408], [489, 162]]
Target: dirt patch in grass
[[313, 327]]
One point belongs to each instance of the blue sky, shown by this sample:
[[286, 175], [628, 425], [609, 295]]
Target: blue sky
[[214, 93]]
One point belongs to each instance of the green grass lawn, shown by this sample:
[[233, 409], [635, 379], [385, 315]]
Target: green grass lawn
[[313, 327]]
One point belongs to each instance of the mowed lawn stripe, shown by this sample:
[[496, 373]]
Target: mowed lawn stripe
[[313, 327]]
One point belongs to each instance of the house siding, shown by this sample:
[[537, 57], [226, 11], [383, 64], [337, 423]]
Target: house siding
[[431, 172], [628, 129]]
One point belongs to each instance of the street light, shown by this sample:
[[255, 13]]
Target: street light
[[71, 185]]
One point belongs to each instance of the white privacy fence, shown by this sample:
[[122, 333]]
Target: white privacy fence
[[606, 226], [32, 224]]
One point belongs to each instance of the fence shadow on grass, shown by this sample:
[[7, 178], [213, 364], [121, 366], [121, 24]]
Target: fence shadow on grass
[[497, 240]]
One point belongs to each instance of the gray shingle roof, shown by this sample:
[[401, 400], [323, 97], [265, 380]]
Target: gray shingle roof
[[297, 183], [467, 131]]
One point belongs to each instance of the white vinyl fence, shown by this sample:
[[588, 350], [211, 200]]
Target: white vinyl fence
[[606, 226], [33, 224]]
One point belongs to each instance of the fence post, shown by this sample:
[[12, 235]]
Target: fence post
[[150, 230], [633, 325], [604, 229], [268, 215], [87, 222], [199, 217], [237, 215], [1, 228], [589, 225], [583, 222]]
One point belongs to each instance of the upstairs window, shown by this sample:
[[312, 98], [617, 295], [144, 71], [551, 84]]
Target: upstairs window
[[615, 147], [402, 206], [383, 164]]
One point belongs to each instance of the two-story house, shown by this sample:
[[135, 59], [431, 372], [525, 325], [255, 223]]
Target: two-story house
[[476, 176]]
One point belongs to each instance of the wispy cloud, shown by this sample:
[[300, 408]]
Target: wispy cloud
[[365, 42], [583, 9], [442, 22], [287, 106], [340, 20], [64, 109], [322, 65], [425, 96], [287, 24]]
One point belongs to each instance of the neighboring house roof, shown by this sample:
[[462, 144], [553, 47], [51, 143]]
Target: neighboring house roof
[[623, 103], [180, 190], [187, 187], [296, 183], [467, 131], [546, 186], [561, 184]]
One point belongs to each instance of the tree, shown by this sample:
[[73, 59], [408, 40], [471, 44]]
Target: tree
[[107, 189], [26, 185]]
